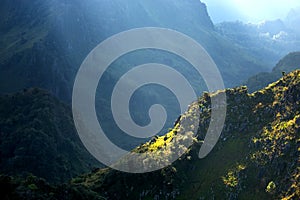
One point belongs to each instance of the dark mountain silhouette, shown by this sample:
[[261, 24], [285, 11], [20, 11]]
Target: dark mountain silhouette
[[287, 64], [37, 136]]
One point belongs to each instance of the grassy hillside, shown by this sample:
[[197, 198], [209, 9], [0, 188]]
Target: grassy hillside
[[257, 156], [37, 136]]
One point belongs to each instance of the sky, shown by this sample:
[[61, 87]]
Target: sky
[[249, 10]]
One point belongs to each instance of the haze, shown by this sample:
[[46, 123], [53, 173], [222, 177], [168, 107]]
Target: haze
[[249, 10]]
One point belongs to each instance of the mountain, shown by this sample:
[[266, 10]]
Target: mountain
[[257, 156], [43, 43], [37, 136], [268, 40], [272, 27], [293, 19], [287, 64]]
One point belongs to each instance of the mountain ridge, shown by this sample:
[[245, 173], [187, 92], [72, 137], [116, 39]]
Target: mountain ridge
[[287, 64], [256, 157], [248, 159]]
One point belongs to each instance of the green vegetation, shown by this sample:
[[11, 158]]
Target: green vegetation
[[231, 179], [271, 187], [34, 188], [37, 136], [256, 157], [42, 45]]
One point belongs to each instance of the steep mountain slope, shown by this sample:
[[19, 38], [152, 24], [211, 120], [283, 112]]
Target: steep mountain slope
[[287, 64], [44, 42], [257, 156], [37, 136]]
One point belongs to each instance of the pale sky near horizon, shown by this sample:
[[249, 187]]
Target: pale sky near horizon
[[249, 10]]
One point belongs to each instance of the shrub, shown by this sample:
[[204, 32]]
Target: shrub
[[271, 187]]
